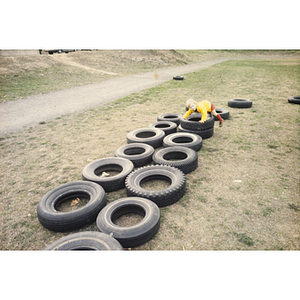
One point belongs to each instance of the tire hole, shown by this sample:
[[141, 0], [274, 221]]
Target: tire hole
[[175, 156], [71, 203], [162, 126], [154, 183], [127, 216], [171, 117], [195, 119], [135, 151], [145, 134], [182, 140], [128, 220]]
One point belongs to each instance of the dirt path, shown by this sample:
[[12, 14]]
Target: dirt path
[[66, 60], [19, 114]]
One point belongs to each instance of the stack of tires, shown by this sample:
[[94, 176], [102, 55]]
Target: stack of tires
[[192, 125]]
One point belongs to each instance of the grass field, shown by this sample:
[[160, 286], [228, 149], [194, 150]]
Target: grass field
[[244, 195]]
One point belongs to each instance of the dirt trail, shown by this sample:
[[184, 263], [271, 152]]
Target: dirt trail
[[63, 58]]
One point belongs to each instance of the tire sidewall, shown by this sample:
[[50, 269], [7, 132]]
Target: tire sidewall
[[136, 234], [171, 126], [138, 160], [173, 193], [240, 103], [205, 134], [87, 240], [172, 117], [154, 141], [195, 144], [187, 165], [196, 125], [55, 220], [112, 183]]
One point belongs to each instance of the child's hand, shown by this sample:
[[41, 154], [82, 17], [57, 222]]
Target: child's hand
[[201, 121]]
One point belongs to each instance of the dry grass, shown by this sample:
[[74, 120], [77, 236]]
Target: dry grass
[[258, 146]]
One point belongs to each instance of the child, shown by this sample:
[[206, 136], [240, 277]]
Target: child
[[202, 107]]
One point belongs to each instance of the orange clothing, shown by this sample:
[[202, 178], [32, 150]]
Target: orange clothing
[[203, 107]]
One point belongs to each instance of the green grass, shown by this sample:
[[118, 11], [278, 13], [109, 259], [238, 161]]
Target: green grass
[[243, 238]]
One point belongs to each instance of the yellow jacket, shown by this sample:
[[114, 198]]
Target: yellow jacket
[[202, 107]]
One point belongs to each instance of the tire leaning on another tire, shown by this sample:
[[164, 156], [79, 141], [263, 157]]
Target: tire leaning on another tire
[[185, 159], [55, 220], [86, 240], [140, 154], [295, 100], [149, 136], [134, 235], [112, 183], [164, 197], [183, 139], [240, 103]]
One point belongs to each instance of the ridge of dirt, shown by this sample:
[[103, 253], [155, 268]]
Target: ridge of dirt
[[63, 58]]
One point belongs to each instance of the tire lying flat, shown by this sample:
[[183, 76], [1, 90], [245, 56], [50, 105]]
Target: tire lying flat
[[138, 153], [167, 126], [55, 220], [149, 136], [183, 158], [183, 139], [137, 234], [164, 197], [172, 117], [112, 183], [86, 240], [178, 77], [240, 103], [295, 100], [223, 112]]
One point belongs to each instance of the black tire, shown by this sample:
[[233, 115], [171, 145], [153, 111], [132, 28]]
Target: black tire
[[149, 136], [224, 113], [113, 183], [172, 117], [240, 103], [138, 153], [167, 126], [192, 122], [137, 234], [178, 77], [205, 134], [183, 139], [295, 100], [55, 220], [185, 159], [164, 197], [86, 240]]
